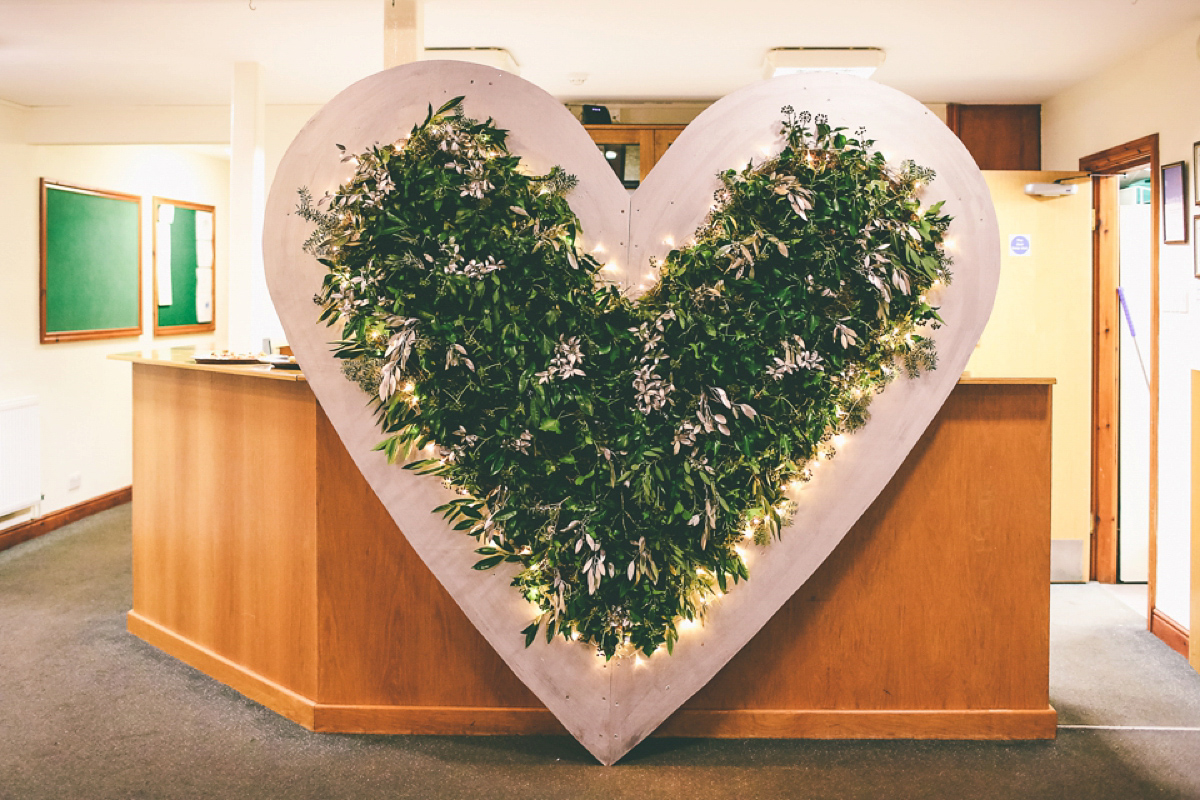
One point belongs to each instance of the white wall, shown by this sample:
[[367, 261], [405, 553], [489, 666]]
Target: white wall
[[1155, 91], [85, 398]]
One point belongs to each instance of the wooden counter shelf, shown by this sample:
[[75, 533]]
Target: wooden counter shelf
[[262, 558]]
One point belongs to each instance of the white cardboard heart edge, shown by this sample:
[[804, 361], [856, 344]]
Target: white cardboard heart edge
[[610, 707]]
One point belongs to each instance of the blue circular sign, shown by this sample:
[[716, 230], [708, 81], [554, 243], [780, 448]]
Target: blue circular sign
[[1018, 245]]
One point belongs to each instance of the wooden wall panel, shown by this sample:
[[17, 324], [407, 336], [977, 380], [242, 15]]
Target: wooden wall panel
[[999, 136], [224, 550], [390, 634], [939, 598]]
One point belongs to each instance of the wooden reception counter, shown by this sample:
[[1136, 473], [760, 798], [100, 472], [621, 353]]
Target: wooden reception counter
[[262, 558]]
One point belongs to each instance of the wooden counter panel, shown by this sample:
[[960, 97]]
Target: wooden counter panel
[[224, 538], [939, 598], [262, 557], [390, 634]]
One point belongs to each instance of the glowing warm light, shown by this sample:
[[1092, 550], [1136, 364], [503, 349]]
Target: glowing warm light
[[575, 636], [951, 243], [839, 439], [765, 148], [612, 267], [669, 241], [409, 387], [599, 248], [688, 625]]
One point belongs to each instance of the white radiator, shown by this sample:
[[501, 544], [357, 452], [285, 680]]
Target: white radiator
[[20, 454]]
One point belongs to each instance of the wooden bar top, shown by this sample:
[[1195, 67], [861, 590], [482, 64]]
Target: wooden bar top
[[184, 358]]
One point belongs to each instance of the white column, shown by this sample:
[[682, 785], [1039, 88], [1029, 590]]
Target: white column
[[403, 31], [251, 314]]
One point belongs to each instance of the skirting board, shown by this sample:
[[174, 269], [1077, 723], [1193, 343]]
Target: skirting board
[[1170, 631], [1006, 724], [31, 529]]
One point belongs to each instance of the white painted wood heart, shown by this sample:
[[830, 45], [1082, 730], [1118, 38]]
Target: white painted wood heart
[[611, 706]]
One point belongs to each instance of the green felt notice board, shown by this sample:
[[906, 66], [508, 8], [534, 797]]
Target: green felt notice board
[[91, 263], [184, 250]]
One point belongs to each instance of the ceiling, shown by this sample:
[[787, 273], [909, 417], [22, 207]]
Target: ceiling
[[181, 52]]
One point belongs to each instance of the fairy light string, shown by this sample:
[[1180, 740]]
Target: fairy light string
[[631, 457]]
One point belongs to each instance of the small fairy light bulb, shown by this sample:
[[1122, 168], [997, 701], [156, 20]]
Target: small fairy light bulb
[[612, 266], [574, 636], [410, 387], [951, 243], [599, 248], [765, 148], [638, 661], [688, 625], [796, 486], [669, 241]]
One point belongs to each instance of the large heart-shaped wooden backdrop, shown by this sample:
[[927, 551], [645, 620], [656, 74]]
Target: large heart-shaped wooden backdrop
[[611, 706]]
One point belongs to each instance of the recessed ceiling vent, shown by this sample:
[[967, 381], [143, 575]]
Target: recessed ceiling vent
[[861, 61]]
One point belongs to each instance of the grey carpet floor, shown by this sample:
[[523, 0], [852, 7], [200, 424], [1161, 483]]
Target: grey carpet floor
[[88, 711]]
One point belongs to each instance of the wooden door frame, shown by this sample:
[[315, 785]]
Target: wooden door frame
[[1104, 167]]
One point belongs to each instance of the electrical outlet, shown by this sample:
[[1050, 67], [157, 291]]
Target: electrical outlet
[[74, 481]]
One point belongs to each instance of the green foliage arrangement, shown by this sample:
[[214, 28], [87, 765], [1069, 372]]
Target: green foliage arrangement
[[623, 452]]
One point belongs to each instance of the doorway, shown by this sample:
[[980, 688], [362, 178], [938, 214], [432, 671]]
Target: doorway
[[1134, 233], [1117, 370]]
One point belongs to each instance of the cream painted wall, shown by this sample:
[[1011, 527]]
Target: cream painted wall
[[86, 399], [1041, 327], [1155, 91]]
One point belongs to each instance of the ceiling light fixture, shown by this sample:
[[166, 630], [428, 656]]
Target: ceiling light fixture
[[496, 57], [861, 61]]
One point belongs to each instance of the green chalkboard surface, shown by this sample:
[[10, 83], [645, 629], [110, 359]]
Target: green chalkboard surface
[[91, 263], [184, 250]]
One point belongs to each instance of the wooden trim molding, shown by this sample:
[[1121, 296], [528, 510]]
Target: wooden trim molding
[[1106, 325], [1171, 632], [1006, 724], [31, 529]]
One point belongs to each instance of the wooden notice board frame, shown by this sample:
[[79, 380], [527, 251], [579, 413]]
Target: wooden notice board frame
[[197, 327], [56, 273]]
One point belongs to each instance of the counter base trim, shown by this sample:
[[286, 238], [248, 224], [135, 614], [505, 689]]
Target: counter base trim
[[261, 690], [982, 724]]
